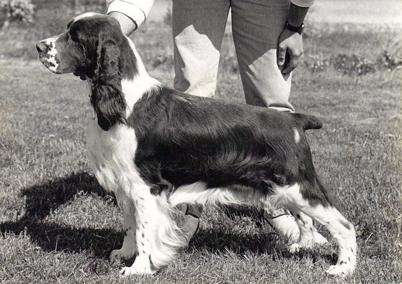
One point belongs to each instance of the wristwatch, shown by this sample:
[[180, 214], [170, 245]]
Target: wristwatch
[[295, 29]]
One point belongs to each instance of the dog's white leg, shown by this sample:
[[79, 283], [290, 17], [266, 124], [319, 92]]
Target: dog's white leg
[[157, 235], [341, 229], [309, 236], [344, 234], [129, 247], [145, 207]]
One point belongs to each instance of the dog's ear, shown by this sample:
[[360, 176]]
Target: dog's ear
[[107, 97]]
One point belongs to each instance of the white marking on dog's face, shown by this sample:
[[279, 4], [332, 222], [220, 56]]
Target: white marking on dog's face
[[61, 53], [296, 135], [52, 54], [48, 53]]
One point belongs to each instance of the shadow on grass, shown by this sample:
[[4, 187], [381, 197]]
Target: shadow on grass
[[43, 199]]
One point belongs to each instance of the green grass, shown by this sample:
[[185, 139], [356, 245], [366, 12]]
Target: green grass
[[57, 225]]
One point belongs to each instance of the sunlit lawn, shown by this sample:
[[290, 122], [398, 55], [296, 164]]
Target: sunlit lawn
[[57, 225]]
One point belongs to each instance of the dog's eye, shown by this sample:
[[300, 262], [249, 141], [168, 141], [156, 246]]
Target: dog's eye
[[72, 36]]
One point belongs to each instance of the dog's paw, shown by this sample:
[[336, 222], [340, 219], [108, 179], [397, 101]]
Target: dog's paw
[[341, 270], [293, 237], [119, 254], [294, 248], [319, 239], [141, 266], [304, 243], [127, 271], [307, 242]]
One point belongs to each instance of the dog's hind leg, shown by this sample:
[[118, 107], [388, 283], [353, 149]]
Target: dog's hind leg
[[309, 236], [344, 234], [323, 212], [129, 247]]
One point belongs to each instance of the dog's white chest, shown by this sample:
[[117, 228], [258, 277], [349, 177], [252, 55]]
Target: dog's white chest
[[111, 155]]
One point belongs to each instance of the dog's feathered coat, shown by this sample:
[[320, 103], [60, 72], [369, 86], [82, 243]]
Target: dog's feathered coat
[[155, 148], [186, 139]]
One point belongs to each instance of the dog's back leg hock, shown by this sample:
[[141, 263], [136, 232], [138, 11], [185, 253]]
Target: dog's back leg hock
[[341, 229], [344, 234]]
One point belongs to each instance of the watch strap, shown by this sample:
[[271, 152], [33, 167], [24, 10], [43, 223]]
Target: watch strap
[[296, 29]]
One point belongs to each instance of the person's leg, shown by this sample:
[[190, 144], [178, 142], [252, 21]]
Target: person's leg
[[257, 25], [198, 29]]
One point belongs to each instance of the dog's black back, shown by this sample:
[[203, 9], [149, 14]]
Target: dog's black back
[[183, 139]]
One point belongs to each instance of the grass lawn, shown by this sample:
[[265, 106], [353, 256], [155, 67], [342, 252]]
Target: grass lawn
[[58, 226]]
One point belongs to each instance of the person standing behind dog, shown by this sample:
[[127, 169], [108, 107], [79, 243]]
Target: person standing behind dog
[[268, 40]]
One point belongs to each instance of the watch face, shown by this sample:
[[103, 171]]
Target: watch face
[[301, 28]]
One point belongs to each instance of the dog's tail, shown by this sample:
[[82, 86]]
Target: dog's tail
[[306, 121]]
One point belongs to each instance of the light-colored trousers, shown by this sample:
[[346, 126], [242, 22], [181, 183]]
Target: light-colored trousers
[[198, 30]]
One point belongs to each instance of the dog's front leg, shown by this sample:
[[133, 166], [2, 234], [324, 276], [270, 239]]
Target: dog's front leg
[[158, 237], [129, 247], [145, 206]]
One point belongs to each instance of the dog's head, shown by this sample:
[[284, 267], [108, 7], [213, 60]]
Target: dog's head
[[94, 47]]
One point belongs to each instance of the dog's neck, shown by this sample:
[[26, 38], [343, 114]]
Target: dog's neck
[[134, 88], [133, 83]]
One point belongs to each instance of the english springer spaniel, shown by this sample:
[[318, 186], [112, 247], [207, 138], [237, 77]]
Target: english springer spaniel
[[156, 148]]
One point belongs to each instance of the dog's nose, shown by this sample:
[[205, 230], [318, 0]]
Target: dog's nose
[[41, 46]]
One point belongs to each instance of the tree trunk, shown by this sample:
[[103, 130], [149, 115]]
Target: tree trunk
[[77, 6], [7, 20], [5, 25]]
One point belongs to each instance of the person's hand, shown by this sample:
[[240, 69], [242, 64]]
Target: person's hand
[[290, 51]]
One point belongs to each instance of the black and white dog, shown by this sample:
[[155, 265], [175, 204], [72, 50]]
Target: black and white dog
[[155, 148]]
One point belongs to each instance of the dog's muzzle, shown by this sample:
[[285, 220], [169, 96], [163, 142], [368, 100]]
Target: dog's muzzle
[[42, 47], [48, 54]]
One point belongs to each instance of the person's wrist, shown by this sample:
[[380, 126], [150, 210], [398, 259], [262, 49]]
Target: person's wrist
[[294, 28], [296, 15], [127, 24]]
